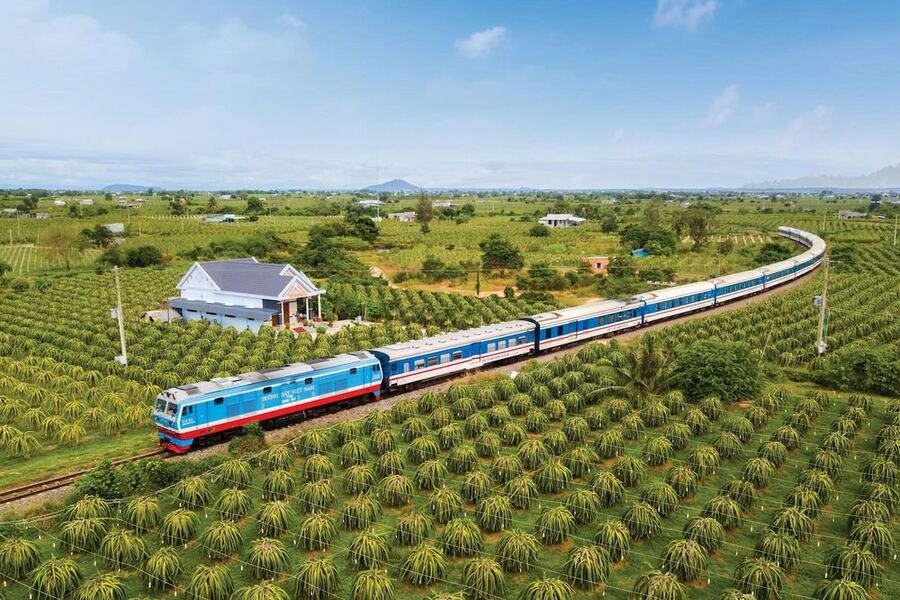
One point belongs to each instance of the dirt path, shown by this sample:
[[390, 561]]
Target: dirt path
[[287, 433]]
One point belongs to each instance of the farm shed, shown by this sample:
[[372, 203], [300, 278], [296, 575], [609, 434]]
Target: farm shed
[[403, 217], [247, 294], [851, 214], [598, 264], [560, 220]]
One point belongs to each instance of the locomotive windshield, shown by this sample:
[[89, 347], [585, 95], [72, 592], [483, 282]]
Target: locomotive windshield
[[160, 405]]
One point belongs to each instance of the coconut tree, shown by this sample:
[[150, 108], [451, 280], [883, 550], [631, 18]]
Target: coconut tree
[[725, 510], [316, 579], [642, 520], [760, 577], [372, 585], [369, 549], [637, 372], [840, 589], [123, 549], [424, 565], [854, 563], [179, 526], [18, 557], [517, 551], [615, 537], [210, 583], [483, 579], [780, 548], [686, 559], [461, 537], [684, 480], [163, 568], [413, 528], [706, 531], [54, 579], [658, 585], [586, 567], [317, 532]]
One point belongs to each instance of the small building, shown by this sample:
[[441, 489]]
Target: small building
[[370, 203], [640, 253], [247, 294], [227, 218], [10, 212], [851, 214], [403, 217], [224, 196], [41, 215], [444, 204], [86, 202], [598, 264], [121, 201], [115, 227], [561, 220], [59, 202]]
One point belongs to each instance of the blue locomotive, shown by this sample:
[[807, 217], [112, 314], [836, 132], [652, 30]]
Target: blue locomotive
[[209, 409]]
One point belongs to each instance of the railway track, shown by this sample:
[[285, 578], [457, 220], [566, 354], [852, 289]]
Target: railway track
[[54, 483]]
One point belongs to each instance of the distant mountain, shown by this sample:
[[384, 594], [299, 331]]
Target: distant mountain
[[394, 185], [888, 177], [125, 187]]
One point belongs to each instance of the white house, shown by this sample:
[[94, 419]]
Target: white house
[[115, 227], [226, 218], [557, 220], [403, 217], [247, 294], [86, 202], [851, 214], [59, 202], [370, 203]]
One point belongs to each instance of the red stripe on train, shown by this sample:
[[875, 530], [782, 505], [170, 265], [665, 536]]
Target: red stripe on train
[[278, 412]]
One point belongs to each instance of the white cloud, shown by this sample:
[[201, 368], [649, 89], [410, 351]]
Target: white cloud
[[723, 106], [480, 43], [233, 45], [292, 21], [687, 14]]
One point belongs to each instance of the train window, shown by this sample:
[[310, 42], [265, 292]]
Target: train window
[[522, 340], [219, 400], [230, 316], [491, 347], [432, 361], [353, 370], [511, 343], [445, 358], [267, 389], [419, 364], [559, 330], [307, 381], [457, 355], [501, 345], [376, 368]]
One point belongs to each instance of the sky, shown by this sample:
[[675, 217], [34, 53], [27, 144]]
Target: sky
[[563, 95]]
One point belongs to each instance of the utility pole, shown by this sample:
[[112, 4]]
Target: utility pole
[[477, 283], [821, 346], [895, 229], [123, 359]]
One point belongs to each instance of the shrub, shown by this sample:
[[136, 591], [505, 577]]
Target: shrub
[[55, 578], [728, 445], [774, 452], [875, 537], [368, 549], [793, 522], [584, 505], [554, 525], [210, 583], [395, 490], [163, 568], [725, 510], [424, 565], [841, 589], [615, 537], [316, 579], [657, 451], [517, 551], [642, 520], [273, 518], [83, 535], [317, 532], [446, 504], [630, 470], [522, 491], [608, 488], [697, 420], [430, 474], [684, 480], [390, 463], [780, 548], [686, 559], [586, 566], [504, 468], [706, 531], [661, 496], [494, 513], [483, 579], [552, 477], [657, 585], [18, 558], [580, 460], [233, 504], [179, 526], [729, 370], [853, 563], [476, 485], [462, 459], [741, 492], [279, 485], [704, 460], [758, 471], [413, 528], [315, 467], [487, 445], [760, 577], [222, 539], [461, 537], [123, 549], [142, 513], [192, 492], [268, 558]]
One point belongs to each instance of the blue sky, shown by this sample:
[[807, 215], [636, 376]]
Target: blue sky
[[607, 94]]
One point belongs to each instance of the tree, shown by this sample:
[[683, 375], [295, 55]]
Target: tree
[[362, 227], [726, 246], [212, 204], [4, 269], [772, 252], [99, 235], [499, 254], [609, 224], [539, 230], [729, 370], [653, 213], [62, 245], [254, 206], [698, 222], [424, 209], [143, 256]]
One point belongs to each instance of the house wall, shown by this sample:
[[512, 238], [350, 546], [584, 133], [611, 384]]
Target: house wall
[[238, 323], [221, 297]]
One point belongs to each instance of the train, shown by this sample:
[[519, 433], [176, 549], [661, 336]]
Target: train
[[190, 414]]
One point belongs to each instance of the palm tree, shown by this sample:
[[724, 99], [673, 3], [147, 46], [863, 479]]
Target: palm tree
[[210, 583], [424, 565], [638, 372], [372, 585], [760, 577], [658, 585], [517, 550], [586, 566], [316, 579]]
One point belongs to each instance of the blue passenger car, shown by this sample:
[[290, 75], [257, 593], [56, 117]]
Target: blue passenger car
[[186, 413]]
